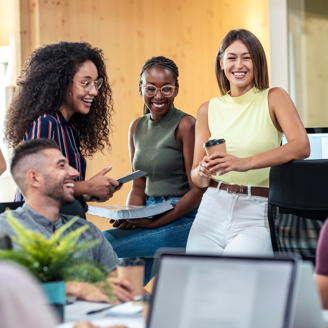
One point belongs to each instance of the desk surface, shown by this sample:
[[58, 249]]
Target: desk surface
[[128, 314]]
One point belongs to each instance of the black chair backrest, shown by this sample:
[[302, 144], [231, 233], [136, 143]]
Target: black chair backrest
[[10, 205], [71, 209], [74, 209], [298, 206]]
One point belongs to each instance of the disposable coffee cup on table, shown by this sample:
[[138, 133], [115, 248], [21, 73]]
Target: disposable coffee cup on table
[[132, 269], [215, 146]]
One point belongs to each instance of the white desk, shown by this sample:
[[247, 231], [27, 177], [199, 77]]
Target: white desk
[[128, 314], [77, 312]]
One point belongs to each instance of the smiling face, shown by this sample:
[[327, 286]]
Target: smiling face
[[59, 177], [77, 100], [238, 68], [158, 77]]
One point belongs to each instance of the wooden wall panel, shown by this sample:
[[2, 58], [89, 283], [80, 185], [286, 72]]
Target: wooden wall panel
[[316, 70], [130, 32], [29, 19], [8, 21]]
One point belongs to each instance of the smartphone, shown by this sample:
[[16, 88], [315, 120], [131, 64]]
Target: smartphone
[[131, 176]]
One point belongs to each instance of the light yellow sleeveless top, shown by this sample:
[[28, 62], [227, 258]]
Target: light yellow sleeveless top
[[245, 123]]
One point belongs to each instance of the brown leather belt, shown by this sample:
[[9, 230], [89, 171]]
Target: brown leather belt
[[236, 189]]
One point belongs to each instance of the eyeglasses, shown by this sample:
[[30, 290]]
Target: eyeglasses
[[87, 85], [166, 90]]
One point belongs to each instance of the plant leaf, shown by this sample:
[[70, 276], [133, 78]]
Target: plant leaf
[[56, 258]]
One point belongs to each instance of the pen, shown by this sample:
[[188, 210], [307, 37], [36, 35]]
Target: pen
[[99, 310]]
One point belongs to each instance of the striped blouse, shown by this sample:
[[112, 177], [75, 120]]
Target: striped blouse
[[65, 134]]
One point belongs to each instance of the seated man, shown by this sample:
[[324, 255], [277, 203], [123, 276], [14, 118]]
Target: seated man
[[46, 180]]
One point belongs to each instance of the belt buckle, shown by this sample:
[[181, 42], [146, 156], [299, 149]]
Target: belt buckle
[[234, 188]]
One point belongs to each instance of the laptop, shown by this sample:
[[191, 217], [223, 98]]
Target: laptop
[[318, 138], [193, 290], [307, 303]]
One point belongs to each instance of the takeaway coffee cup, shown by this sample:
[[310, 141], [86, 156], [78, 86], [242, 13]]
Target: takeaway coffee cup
[[132, 269], [214, 146]]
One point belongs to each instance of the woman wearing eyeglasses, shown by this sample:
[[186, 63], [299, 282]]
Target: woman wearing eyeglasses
[[64, 95], [161, 143]]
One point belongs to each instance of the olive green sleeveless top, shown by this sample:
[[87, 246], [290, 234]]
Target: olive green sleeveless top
[[158, 153]]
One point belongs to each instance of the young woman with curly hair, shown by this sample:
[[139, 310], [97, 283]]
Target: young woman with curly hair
[[64, 95]]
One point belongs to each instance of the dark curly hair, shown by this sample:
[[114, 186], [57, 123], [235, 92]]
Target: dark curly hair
[[46, 78], [164, 63]]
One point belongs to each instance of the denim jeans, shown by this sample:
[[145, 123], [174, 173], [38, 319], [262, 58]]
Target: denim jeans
[[145, 242]]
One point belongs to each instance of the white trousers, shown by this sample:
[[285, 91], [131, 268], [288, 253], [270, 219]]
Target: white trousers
[[230, 224]]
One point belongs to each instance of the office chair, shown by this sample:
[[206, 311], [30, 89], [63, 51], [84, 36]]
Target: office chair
[[298, 206], [10, 205], [71, 209], [74, 209]]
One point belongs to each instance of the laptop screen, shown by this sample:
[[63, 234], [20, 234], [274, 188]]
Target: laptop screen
[[318, 138], [193, 291]]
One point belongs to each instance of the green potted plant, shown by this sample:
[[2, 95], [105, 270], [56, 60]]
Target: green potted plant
[[53, 261]]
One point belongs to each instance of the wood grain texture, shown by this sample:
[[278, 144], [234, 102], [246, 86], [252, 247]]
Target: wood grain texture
[[130, 32], [8, 21]]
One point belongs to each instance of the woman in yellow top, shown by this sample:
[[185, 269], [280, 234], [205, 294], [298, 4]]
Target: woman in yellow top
[[232, 217]]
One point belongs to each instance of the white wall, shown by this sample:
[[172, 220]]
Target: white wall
[[7, 189], [278, 44], [8, 75]]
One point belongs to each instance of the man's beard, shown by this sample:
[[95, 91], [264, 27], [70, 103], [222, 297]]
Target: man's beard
[[56, 192]]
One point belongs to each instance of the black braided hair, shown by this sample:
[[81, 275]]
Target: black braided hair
[[162, 62]]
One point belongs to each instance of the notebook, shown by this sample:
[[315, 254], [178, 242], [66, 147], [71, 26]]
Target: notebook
[[308, 312], [193, 291]]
